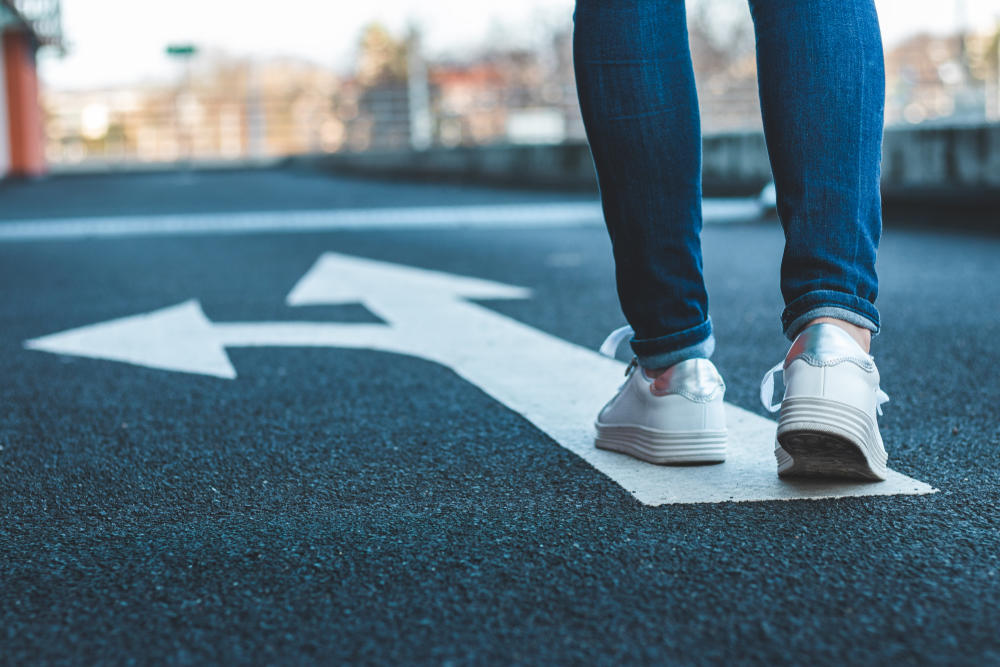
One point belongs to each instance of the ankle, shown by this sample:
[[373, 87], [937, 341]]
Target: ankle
[[653, 373], [862, 336]]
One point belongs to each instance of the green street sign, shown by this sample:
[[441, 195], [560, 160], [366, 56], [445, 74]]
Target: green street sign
[[181, 49]]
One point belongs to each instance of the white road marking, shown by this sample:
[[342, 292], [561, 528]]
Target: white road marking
[[556, 385], [555, 214]]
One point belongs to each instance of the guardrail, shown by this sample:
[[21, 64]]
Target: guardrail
[[946, 166]]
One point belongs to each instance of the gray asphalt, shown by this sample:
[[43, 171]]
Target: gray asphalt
[[351, 506]]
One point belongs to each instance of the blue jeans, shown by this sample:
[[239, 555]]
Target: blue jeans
[[822, 89]]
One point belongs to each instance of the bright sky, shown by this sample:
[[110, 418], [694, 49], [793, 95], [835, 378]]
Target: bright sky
[[122, 41]]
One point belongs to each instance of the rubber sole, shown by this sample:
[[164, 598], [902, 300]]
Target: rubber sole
[[663, 448], [821, 438]]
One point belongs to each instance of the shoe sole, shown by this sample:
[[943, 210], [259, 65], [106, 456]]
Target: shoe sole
[[661, 447], [827, 439]]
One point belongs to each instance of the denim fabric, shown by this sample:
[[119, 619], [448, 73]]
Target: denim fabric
[[822, 89]]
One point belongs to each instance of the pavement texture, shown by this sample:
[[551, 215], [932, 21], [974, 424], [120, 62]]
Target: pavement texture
[[349, 506]]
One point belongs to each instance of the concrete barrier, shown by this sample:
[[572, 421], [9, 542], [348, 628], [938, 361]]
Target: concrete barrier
[[942, 159], [563, 166], [947, 166]]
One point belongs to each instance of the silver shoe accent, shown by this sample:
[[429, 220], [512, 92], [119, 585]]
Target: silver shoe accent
[[826, 344], [694, 379]]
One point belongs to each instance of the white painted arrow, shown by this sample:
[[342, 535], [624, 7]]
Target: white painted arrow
[[180, 338], [556, 385]]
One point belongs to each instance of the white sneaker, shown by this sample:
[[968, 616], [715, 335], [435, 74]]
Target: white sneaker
[[827, 426], [686, 423]]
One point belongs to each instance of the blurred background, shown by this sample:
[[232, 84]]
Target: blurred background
[[91, 83]]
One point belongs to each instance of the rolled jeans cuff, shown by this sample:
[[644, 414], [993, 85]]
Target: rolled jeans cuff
[[829, 303], [665, 351]]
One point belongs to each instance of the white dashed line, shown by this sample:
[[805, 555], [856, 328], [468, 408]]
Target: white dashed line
[[556, 214]]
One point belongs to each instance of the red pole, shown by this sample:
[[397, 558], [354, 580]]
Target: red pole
[[27, 147]]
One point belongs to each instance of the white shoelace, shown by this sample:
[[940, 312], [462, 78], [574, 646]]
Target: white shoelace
[[767, 387], [767, 391], [614, 340]]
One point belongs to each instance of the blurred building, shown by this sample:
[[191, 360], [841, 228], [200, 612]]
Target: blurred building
[[25, 26], [500, 95], [221, 107], [472, 102], [944, 79], [725, 67], [234, 108]]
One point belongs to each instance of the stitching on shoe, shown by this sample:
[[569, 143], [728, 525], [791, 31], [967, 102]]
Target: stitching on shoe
[[864, 364]]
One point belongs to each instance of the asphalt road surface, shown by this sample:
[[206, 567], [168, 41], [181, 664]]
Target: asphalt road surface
[[348, 505]]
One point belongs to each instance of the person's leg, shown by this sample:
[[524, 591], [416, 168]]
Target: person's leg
[[822, 85], [637, 96], [822, 88]]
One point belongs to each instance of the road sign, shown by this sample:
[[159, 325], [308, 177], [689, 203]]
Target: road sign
[[556, 385], [181, 50]]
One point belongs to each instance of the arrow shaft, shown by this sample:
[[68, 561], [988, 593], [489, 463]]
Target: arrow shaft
[[303, 334]]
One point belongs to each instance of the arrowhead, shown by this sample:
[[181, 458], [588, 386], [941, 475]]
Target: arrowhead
[[178, 338], [336, 278]]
